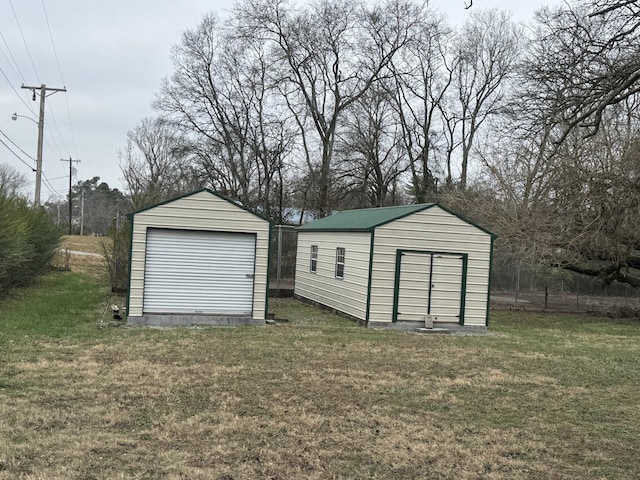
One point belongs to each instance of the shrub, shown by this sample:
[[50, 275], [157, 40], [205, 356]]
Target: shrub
[[28, 241], [116, 254]]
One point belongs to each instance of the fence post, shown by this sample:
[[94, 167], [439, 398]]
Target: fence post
[[517, 284], [546, 297], [115, 252], [279, 266]]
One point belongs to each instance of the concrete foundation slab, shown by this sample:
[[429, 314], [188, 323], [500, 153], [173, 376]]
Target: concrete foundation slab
[[173, 320]]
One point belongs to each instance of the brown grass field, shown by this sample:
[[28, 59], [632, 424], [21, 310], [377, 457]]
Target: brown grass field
[[544, 396], [92, 264], [85, 243]]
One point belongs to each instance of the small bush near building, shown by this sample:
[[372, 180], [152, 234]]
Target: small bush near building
[[115, 249]]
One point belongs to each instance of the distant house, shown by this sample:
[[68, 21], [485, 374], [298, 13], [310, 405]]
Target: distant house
[[398, 267], [198, 259], [297, 216]]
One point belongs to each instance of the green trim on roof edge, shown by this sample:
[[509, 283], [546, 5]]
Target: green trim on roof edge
[[424, 206], [362, 220], [327, 224]]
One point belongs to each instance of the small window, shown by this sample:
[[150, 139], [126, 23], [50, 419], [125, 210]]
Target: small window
[[314, 258], [339, 262]]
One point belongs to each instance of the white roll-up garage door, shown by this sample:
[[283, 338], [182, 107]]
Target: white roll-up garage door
[[199, 272]]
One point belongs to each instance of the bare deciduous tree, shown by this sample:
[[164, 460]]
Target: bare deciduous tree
[[487, 50], [370, 147], [574, 205], [422, 75], [153, 164], [12, 182], [330, 54], [221, 98], [585, 60], [595, 200]]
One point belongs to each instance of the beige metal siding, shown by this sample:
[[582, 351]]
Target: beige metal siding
[[348, 295], [200, 211], [430, 230]]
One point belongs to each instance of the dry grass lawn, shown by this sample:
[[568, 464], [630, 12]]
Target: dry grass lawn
[[84, 243], [316, 397], [72, 255]]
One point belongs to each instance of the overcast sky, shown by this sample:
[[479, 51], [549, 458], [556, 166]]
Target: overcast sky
[[111, 57]]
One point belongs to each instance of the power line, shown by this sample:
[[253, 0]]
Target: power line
[[23, 40], [16, 70], [16, 92], [66, 98], [52, 145], [17, 146], [16, 155], [44, 91], [71, 162], [55, 53], [55, 126], [47, 182], [43, 94], [73, 136]]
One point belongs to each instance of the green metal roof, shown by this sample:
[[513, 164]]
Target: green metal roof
[[362, 220]]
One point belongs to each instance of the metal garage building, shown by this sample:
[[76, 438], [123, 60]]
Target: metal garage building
[[198, 259], [398, 267]]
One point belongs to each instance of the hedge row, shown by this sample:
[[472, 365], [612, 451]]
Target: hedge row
[[28, 241]]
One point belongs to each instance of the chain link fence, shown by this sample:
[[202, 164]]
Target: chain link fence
[[516, 285], [513, 283], [115, 248], [282, 264]]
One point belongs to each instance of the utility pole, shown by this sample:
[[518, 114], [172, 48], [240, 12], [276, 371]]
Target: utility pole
[[43, 94], [71, 162], [82, 213]]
